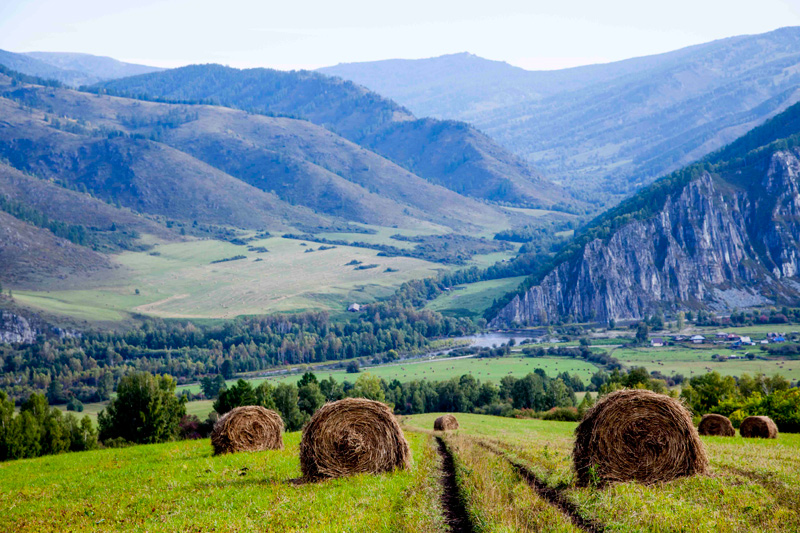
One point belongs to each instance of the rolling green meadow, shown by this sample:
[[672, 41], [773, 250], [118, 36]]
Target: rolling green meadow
[[697, 361], [182, 282], [180, 486]]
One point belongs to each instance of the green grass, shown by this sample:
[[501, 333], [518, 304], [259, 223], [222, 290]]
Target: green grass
[[753, 485], [483, 369], [759, 330], [182, 487], [693, 362], [473, 299], [443, 368], [181, 282]]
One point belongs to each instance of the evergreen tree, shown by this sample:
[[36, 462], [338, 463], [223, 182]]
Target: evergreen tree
[[146, 410]]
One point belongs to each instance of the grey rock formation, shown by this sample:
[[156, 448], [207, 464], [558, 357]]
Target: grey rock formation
[[720, 242], [16, 329]]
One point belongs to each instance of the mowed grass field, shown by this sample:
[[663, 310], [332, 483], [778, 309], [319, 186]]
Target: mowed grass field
[[753, 486], [693, 362], [181, 487], [182, 282]]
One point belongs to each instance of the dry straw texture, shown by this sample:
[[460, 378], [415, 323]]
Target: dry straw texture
[[248, 429], [637, 435], [758, 427], [716, 425], [352, 436], [445, 423]]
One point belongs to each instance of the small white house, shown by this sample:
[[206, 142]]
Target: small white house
[[698, 339], [354, 308], [656, 341]]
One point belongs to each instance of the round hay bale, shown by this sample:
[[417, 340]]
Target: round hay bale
[[716, 425], [352, 436], [445, 423], [637, 435], [247, 429], [758, 427]]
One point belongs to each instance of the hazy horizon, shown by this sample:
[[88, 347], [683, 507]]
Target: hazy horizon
[[311, 35]]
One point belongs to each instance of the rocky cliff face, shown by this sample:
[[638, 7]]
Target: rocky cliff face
[[721, 242], [16, 329]]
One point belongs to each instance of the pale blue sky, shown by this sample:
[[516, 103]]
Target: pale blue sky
[[289, 34]]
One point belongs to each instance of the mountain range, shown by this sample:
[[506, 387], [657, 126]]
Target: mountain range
[[448, 153], [71, 68], [604, 129]]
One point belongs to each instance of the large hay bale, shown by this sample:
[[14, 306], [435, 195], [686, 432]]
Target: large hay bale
[[352, 436], [248, 429], [761, 427], [637, 435], [445, 423], [716, 425]]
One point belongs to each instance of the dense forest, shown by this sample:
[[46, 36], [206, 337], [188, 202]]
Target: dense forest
[[88, 367]]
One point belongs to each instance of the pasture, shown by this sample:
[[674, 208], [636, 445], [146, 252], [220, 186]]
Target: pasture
[[753, 484], [180, 280], [180, 486], [443, 368], [697, 361]]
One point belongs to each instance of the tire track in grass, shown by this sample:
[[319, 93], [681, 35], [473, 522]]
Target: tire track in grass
[[452, 501], [552, 496]]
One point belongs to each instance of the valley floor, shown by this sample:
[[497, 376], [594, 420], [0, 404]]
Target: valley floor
[[753, 486]]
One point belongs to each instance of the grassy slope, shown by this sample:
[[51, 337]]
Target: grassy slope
[[753, 485], [182, 487], [474, 298], [182, 282]]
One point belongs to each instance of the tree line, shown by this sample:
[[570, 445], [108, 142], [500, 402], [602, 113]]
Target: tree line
[[88, 367]]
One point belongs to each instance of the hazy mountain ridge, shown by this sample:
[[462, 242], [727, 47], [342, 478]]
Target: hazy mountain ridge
[[721, 234], [605, 127], [362, 117], [70, 68]]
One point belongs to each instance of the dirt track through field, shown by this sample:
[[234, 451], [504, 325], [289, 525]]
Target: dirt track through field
[[552, 496], [452, 502]]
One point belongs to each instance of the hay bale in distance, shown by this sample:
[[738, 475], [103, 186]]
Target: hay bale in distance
[[716, 425], [761, 427], [352, 436], [637, 435], [445, 423], [248, 429]]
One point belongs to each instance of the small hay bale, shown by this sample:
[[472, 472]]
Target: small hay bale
[[758, 427], [248, 429], [445, 423], [637, 435], [352, 436], [716, 425]]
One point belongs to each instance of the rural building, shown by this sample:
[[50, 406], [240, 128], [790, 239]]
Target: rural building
[[698, 339], [354, 308], [657, 341]]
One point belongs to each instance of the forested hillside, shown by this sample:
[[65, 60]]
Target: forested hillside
[[451, 154]]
